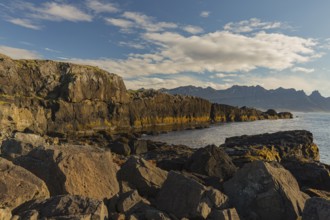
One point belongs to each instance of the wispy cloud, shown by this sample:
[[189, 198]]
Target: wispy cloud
[[18, 53], [193, 29], [52, 50], [302, 70], [224, 75], [252, 25], [121, 23], [131, 45], [205, 14], [24, 23], [101, 7]]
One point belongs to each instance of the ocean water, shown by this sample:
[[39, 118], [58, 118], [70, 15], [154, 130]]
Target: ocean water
[[317, 123]]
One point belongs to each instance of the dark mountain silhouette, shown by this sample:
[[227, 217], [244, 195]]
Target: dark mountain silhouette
[[259, 97]]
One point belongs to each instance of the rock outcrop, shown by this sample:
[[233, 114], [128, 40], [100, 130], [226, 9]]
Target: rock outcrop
[[75, 170], [185, 198], [211, 161], [63, 207], [262, 190], [17, 185], [284, 145], [316, 209]]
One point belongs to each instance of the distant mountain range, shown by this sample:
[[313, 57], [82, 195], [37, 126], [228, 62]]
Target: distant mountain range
[[256, 96]]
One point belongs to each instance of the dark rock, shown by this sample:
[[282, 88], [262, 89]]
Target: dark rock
[[277, 146], [185, 198], [120, 148], [130, 202], [64, 207], [317, 193], [211, 161], [138, 146], [309, 174], [20, 144], [225, 214], [316, 209], [265, 191], [77, 170], [17, 185], [142, 175]]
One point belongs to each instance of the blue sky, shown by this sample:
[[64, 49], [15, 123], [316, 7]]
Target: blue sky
[[157, 43]]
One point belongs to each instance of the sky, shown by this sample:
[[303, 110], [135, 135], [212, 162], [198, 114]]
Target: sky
[[166, 44]]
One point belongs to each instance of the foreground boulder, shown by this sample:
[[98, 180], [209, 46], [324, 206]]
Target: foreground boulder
[[211, 161], [18, 185], [309, 174], [63, 207], [20, 144], [265, 191], [143, 176], [316, 209], [186, 198], [277, 146], [76, 170]]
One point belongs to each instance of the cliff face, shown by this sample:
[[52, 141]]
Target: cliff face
[[50, 97]]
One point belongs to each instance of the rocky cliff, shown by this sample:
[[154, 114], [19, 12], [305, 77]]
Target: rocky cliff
[[56, 98]]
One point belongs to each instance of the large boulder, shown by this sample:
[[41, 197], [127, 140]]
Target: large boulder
[[142, 175], [262, 190], [225, 214], [186, 198], [20, 144], [211, 161], [277, 146], [309, 174], [64, 207], [316, 209], [77, 170], [17, 185]]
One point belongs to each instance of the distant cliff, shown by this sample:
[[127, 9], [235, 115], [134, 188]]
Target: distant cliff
[[57, 98], [258, 97]]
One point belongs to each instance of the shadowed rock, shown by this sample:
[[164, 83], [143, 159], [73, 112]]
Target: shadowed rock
[[76, 170], [262, 190], [316, 209], [17, 185]]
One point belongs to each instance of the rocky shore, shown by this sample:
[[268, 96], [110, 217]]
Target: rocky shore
[[130, 178], [70, 148]]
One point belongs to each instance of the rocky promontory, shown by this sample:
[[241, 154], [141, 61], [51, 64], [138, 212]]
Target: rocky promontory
[[59, 99]]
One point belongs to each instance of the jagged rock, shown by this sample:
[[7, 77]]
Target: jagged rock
[[184, 197], [316, 209], [64, 207], [17, 185], [153, 214], [5, 214], [309, 174], [317, 193], [77, 170], [277, 146], [263, 190], [143, 176], [130, 202], [20, 144], [120, 148], [225, 214], [138, 146], [211, 161]]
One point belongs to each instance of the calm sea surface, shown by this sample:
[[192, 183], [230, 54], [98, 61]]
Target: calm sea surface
[[317, 123]]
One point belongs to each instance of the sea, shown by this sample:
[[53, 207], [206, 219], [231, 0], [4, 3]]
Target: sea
[[317, 123]]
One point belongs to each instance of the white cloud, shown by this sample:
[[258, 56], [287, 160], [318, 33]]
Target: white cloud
[[224, 75], [219, 51], [122, 23], [205, 14], [252, 25], [302, 70], [100, 7], [24, 23], [52, 50], [18, 53], [131, 45], [193, 29]]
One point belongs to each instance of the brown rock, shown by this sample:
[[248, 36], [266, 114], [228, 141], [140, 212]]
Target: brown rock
[[265, 191], [316, 209], [184, 197], [131, 202], [18, 185], [317, 193], [225, 214], [5, 214], [143, 176], [64, 207], [75, 170], [211, 161]]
